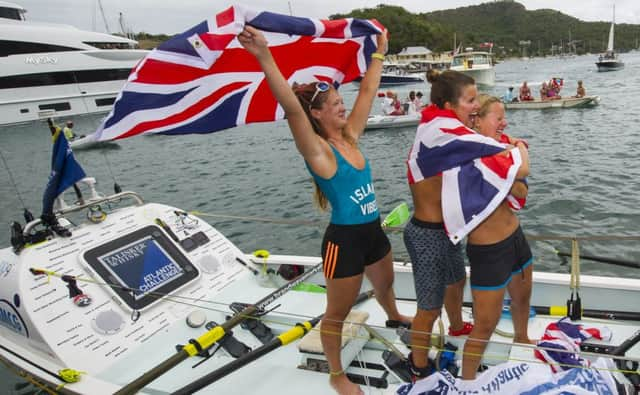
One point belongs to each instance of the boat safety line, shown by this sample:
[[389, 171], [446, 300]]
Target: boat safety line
[[530, 237], [207, 340], [295, 333]]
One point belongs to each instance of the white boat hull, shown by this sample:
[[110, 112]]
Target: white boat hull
[[482, 76], [62, 84], [376, 122], [43, 331], [571, 102]]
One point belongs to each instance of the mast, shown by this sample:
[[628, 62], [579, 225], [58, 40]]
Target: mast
[[613, 22]]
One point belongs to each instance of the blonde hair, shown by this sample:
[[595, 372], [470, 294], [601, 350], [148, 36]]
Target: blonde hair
[[485, 104]]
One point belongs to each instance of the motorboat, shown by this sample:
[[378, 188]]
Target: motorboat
[[394, 74], [476, 64], [609, 61], [54, 70], [148, 298], [375, 122], [569, 102]]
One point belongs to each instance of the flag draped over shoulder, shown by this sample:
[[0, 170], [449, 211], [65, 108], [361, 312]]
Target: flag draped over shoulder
[[203, 80], [474, 179], [65, 171]]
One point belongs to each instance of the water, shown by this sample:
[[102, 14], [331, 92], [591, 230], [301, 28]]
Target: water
[[584, 176]]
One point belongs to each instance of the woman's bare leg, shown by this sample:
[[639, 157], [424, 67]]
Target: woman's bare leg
[[341, 293]]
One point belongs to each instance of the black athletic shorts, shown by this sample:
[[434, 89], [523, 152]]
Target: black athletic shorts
[[347, 249], [493, 265]]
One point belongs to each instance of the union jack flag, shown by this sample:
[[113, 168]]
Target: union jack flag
[[566, 337], [203, 80], [474, 179]]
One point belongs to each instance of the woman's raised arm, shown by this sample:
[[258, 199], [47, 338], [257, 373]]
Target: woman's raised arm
[[357, 120]]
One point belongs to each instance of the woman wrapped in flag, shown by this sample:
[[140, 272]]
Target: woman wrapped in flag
[[354, 243], [438, 264], [498, 252], [469, 177]]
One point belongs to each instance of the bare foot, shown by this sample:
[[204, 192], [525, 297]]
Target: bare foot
[[525, 340], [343, 386]]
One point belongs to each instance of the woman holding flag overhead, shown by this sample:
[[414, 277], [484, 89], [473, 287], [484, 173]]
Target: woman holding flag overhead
[[354, 243]]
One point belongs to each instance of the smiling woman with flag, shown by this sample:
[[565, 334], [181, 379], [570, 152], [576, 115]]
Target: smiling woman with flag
[[354, 242]]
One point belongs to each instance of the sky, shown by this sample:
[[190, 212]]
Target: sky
[[171, 16]]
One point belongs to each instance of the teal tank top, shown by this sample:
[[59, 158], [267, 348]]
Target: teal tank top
[[350, 192]]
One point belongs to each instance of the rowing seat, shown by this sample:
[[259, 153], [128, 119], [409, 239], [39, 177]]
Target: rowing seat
[[354, 337]]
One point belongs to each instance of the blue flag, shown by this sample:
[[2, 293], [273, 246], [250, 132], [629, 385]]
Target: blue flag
[[65, 171]]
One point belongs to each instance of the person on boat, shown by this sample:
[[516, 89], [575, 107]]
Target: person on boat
[[498, 252], [525, 93], [508, 96], [418, 101], [544, 92], [354, 242], [580, 91], [53, 128], [438, 265], [396, 106], [410, 104], [68, 131]]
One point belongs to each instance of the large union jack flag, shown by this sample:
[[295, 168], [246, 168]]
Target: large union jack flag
[[202, 80], [474, 179]]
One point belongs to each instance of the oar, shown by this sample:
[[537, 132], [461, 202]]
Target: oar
[[207, 340], [561, 311], [612, 261], [282, 340]]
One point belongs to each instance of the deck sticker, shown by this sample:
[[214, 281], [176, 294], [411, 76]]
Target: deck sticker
[[11, 318]]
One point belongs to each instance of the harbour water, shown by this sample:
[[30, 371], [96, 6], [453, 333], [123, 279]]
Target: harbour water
[[584, 177]]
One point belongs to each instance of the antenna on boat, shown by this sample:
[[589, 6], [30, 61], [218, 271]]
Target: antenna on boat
[[17, 240], [116, 187]]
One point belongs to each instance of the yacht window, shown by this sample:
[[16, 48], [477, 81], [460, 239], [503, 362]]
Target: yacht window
[[65, 106], [62, 78], [102, 75], [10, 13], [106, 45], [40, 79], [105, 102], [9, 47]]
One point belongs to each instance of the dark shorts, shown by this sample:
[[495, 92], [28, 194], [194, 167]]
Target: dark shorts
[[493, 265], [347, 249], [436, 262]]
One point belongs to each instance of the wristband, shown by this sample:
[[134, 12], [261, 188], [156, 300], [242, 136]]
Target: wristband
[[377, 55], [523, 180]]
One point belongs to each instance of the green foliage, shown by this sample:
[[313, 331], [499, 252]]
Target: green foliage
[[505, 23], [405, 28]]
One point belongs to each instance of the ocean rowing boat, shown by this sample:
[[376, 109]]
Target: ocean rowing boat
[[570, 102], [148, 298]]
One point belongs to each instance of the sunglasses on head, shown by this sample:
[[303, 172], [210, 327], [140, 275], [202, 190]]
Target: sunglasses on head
[[321, 86]]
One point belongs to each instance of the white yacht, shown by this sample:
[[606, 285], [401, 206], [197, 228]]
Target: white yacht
[[55, 70], [476, 64]]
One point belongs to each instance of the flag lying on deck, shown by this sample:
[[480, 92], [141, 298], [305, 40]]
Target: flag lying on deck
[[203, 80], [65, 171], [474, 179], [566, 337]]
